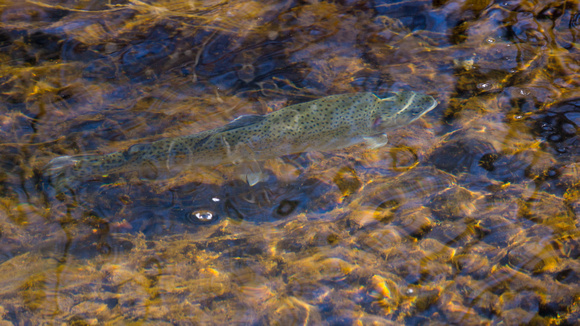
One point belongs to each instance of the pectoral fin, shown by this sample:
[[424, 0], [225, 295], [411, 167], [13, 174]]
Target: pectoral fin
[[375, 142], [253, 178], [250, 170]]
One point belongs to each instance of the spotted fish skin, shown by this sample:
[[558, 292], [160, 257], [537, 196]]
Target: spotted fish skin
[[326, 124]]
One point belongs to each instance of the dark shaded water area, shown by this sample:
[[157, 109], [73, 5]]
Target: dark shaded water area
[[468, 216]]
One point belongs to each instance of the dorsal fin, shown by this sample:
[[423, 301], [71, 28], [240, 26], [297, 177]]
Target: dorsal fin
[[239, 122], [243, 121]]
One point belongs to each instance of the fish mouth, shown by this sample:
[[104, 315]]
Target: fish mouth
[[433, 104]]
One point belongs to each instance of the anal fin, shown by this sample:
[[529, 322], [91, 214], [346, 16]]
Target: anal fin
[[377, 141]]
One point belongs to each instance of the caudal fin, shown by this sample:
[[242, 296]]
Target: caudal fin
[[62, 172]]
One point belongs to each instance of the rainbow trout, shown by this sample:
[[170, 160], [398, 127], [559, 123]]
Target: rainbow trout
[[326, 124]]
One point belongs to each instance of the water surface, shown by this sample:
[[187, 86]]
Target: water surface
[[468, 216]]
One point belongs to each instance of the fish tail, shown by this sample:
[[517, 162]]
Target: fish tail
[[60, 171], [69, 171]]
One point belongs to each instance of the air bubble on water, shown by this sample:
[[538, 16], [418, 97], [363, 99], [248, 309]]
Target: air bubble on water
[[518, 117], [268, 88], [490, 40], [546, 127], [246, 73], [484, 86], [524, 92], [215, 199], [203, 216]]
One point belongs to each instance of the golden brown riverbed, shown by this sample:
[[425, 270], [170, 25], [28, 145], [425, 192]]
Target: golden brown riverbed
[[469, 216]]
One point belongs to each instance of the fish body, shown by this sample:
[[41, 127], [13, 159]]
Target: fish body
[[326, 124]]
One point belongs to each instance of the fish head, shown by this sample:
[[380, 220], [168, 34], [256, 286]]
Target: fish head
[[401, 109]]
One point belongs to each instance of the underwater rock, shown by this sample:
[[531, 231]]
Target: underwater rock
[[474, 265], [477, 293], [381, 239], [347, 181], [530, 164], [570, 271], [494, 254], [570, 175], [436, 251], [408, 190], [385, 293], [45, 46], [464, 154], [458, 233], [534, 257], [90, 309], [291, 311], [29, 13], [559, 125], [101, 69], [519, 316], [457, 312], [405, 262], [454, 203], [497, 230], [271, 201], [529, 301], [74, 50], [146, 58], [414, 222], [544, 208]]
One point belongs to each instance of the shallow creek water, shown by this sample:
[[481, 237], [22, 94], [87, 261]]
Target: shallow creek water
[[468, 216]]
